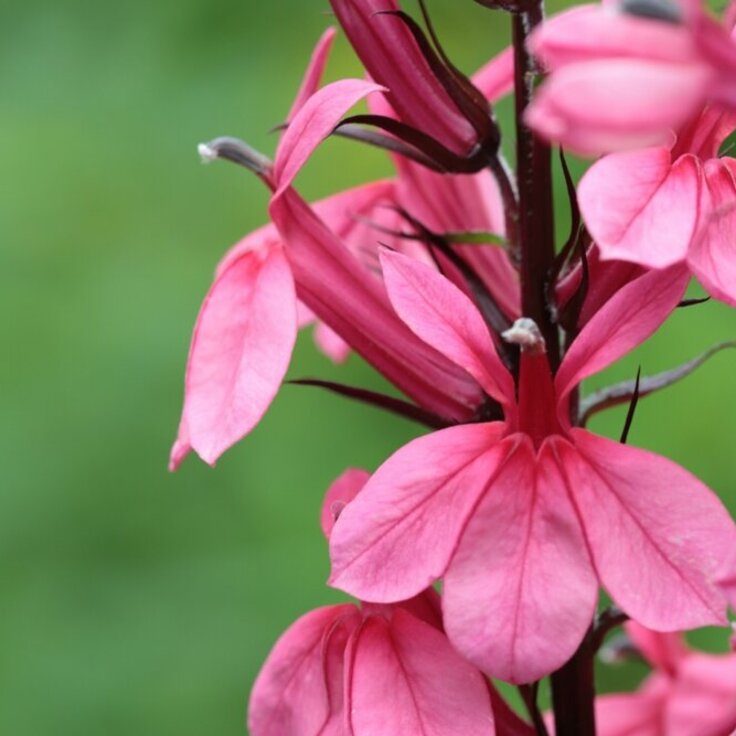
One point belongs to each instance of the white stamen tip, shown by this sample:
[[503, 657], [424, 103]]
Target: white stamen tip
[[525, 333], [206, 153]]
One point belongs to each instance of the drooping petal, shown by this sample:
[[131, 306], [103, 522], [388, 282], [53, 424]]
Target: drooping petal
[[405, 678], [240, 352], [712, 256], [398, 536], [520, 591], [339, 495], [612, 105], [315, 120], [342, 293], [626, 320], [291, 695], [439, 313], [313, 75], [641, 207], [656, 533]]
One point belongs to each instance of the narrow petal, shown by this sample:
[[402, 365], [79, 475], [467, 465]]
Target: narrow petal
[[407, 679], [339, 495], [712, 257], [398, 536], [291, 696], [640, 207], [496, 79], [315, 120], [657, 534], [240, 351], [439, 313], [520, 591], [623, 323], [313, 76]]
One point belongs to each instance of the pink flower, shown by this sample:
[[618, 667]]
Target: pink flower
[[321, 263], [688, 694], [660, 206], [623, 74], [523, 519], [372, 670]]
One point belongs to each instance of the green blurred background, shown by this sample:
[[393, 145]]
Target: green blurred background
[[132, 600]]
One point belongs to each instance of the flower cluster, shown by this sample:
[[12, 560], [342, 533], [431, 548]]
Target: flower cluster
[[448, 281]]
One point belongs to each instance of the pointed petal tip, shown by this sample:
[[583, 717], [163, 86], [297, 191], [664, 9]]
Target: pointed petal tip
[[179, 451]]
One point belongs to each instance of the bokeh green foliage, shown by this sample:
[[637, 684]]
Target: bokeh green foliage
[[132, 600]]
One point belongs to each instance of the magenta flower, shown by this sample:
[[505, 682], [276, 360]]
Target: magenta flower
[[687, 694], [623, 74], [670, 204], [372, 670], [524, 518]]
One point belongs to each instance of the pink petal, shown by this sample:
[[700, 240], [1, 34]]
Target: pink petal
[[633, 714], [263, 238], [351, 300], [640, 207], [315, 70], [462, 203], [240, 352], [705, 134], [592, 32], [291, 695], [315, 120], [181, 447], [439, 313], [612, 105], [712, 257], [407, 679], [398, 536], [664, 652], [520, 591], [339, 495], [657, 534], [331, 344], [626, 321], [703, 700], [496, 79]]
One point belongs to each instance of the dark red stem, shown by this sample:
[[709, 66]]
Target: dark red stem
[[534, 175]]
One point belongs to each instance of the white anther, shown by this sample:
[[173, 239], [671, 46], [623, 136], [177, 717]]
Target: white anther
[[207, 153], [525, 333]]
